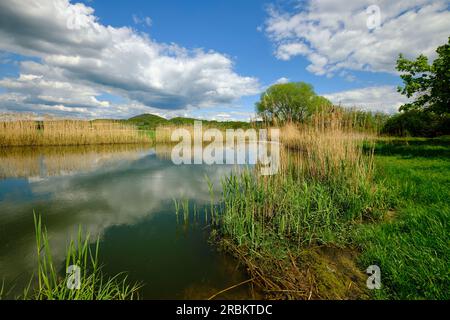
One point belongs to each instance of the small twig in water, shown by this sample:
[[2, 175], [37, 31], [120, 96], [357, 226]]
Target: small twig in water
[[229, 288]]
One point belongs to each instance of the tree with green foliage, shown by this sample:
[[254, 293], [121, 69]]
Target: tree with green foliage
[[428, 84], [294, 101], [417, 123]]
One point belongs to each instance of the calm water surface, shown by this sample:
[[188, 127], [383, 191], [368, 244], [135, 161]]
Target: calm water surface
[[124, 195]]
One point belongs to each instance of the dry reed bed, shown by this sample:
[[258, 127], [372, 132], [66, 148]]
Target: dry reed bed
[[163, 134], [68, 132], [326, 152]]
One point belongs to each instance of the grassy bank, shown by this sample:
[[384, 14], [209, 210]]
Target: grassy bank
[[334, 209], [68, 132], [50, 281], [412, 246]]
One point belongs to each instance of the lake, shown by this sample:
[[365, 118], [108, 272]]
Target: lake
[[124, 195]]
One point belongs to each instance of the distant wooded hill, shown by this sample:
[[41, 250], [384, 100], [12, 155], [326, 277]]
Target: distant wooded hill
[[150, 121]]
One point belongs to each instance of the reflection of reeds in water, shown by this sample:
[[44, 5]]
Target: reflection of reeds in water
[[68, 132], [164, 151], [54, 161]]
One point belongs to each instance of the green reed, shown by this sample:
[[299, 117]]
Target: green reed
[[52, 285]]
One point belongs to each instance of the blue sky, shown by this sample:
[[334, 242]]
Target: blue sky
[[208, 59]]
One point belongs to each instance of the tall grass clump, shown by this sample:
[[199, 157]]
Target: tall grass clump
[[68, 132], [323, 189], [325, 184], [94, 285]]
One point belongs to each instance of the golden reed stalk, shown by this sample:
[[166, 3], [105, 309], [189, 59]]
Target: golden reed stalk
[[68, 132], [328, 148]]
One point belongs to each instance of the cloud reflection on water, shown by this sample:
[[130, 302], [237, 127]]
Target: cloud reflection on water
[[94, 187]]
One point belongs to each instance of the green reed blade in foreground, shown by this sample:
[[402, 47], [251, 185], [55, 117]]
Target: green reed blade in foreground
[[94, 284]]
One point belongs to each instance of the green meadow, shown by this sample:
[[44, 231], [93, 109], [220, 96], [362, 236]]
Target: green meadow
[[412, 245]]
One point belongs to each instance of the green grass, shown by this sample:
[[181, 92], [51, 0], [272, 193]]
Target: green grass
[[51, 283], [413, 247]]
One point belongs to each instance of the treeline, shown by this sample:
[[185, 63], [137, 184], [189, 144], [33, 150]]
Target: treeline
[[417, 123], [426, 85], [151, 122]]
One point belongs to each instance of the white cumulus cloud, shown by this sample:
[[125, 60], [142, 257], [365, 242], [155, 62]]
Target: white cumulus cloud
[[282, 80], [79, 58], [338, 35], [377, 98]]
